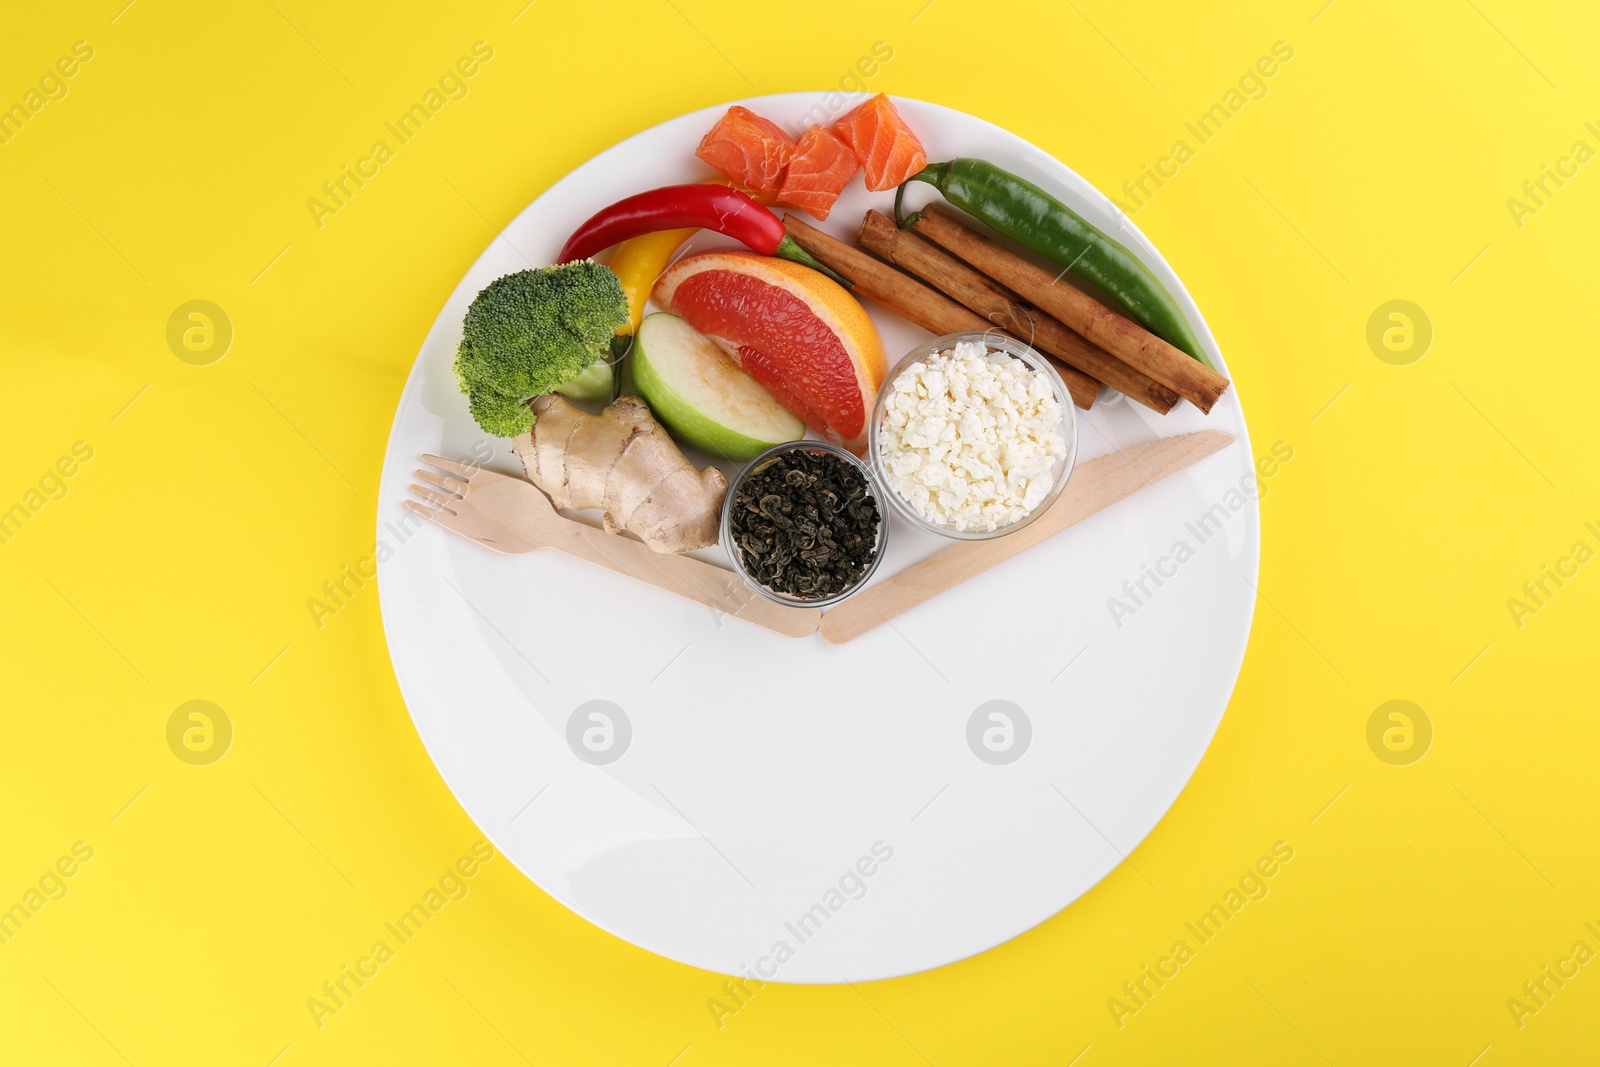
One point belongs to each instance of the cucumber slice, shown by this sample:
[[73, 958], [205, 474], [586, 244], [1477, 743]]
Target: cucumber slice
[[596, 385]]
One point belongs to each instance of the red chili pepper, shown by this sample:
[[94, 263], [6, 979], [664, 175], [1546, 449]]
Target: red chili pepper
[[709, 207]]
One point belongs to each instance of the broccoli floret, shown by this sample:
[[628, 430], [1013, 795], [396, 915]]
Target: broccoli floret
[[537, 332]]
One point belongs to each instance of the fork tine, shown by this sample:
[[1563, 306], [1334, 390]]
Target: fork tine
[[446, 503], [460, 470], [436, 515], [448, 483]]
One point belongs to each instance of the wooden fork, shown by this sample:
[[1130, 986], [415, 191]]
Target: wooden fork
[[513, 516]]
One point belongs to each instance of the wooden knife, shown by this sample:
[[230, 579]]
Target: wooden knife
[[1093, 486]]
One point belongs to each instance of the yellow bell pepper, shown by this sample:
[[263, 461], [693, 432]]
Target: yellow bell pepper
[[639, 261]]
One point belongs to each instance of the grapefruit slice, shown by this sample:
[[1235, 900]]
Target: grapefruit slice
[[795, 331], [750, 150], [822, 166], [883, 143]]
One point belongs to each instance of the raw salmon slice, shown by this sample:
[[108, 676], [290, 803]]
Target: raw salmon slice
[[883, 143], [747, 149], [822, 166]]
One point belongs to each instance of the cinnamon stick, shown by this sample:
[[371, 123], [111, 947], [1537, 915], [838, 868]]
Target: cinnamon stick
[[880, 236], [1111, 330], [910, 299]]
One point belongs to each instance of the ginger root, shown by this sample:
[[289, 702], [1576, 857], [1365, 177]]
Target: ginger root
[[622, 461]]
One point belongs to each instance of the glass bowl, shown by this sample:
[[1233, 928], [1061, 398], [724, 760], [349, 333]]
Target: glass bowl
[[736, 557], [995, 343]]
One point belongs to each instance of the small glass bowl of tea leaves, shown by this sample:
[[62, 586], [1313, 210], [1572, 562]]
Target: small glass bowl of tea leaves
[[804, 524]]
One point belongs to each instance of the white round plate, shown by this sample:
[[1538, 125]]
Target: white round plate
[[790, 809]]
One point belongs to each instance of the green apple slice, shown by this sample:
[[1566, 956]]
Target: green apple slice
[[702, 396]]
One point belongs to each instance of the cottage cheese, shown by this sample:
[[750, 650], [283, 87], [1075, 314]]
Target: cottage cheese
[[971, 437]]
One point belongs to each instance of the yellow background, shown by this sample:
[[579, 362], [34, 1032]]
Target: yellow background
[[179, 563]]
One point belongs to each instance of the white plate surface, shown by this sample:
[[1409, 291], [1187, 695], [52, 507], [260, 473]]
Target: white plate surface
[[761, 778]]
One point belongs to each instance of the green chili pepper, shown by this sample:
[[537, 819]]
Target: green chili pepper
[[1036, 220]]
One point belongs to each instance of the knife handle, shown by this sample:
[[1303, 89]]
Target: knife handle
[[1093, 486]]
